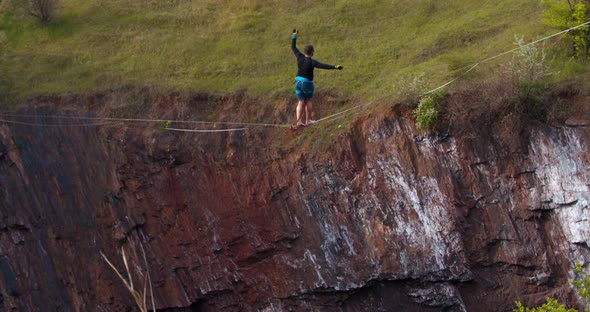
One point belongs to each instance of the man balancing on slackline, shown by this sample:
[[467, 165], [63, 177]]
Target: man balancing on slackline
[[304, 81]]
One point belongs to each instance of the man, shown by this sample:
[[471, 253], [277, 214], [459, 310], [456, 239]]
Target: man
[[304, 81]]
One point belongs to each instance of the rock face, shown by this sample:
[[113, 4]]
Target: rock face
[[379, 219]]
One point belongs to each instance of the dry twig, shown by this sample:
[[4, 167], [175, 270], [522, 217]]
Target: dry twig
[[138, 295]]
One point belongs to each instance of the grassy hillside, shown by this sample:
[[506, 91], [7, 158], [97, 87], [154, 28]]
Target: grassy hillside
[[223, 46]]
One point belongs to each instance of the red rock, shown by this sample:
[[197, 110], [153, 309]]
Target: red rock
[[376, 221]]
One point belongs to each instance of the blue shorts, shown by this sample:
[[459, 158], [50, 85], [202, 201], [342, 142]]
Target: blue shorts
[[303, 88]]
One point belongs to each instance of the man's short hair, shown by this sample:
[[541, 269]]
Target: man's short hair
[[308, 50]]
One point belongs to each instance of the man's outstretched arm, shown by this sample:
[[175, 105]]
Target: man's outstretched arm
[[326, 66]]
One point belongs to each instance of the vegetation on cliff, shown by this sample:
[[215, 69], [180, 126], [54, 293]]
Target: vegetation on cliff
[[582, 284]]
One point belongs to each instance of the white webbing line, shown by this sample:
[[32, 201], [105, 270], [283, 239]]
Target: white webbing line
[[53, 125], [456, 78], [343, 112], [504, 53], [144, 120], [110, 120], [205, 130]]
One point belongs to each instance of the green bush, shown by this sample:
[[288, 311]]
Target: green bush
[[428, 111], [550, 306], [582, 283], [564, 14]]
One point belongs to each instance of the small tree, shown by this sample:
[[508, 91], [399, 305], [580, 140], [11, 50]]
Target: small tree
[[565, 14], [550, 306], [43, 10], [527, 71]]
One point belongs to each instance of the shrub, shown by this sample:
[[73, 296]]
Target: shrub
[[428, 111], [582, 283], [550, 306], [528, 66], [527, 72], [562, 14], [411, 87], [43, 10]]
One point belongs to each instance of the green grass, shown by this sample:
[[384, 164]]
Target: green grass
[[225, 46]]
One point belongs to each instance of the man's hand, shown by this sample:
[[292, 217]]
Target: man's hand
[[339, 67], [295, 33]]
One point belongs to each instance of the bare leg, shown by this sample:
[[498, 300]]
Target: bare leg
[[299, 111], [308, 111]]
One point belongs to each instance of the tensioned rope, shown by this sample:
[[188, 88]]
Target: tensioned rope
[[53, 125], [246, 125], [110, 120], [115, 119], [471, 67], [205, 130]]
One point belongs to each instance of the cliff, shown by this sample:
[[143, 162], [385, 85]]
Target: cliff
[[379, 218]]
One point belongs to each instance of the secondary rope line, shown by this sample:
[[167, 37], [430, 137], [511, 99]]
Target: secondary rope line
[[113, 120], [536, 41], [333, 116], [53, 125], [504, 53], [456, 78], [145, 120], [206, 130]]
